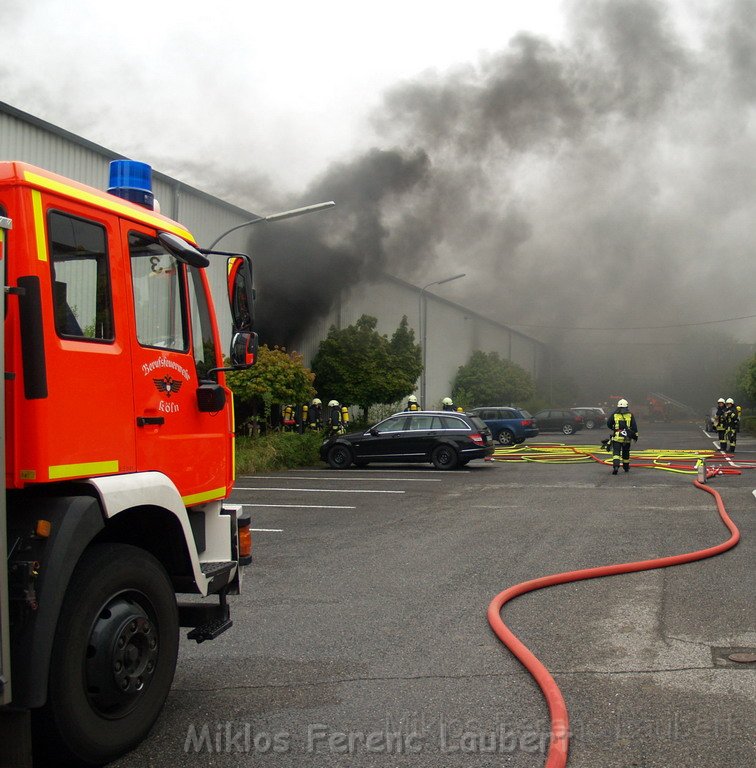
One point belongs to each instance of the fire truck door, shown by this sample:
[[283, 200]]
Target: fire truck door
[[170, 346]]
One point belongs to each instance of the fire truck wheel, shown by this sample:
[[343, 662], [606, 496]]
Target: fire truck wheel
[[339, 457], [444, 457], [114, 654]]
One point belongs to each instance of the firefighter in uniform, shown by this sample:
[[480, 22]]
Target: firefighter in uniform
[[412, 404], [624, 429], [288, 421], [334, 424], [315, 415], [732, 425], [719, 424], [302, 412], [448, 404]]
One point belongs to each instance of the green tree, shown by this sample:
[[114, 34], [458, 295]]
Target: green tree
[[357, 365], [488, 380], [745, 378], [278, 377]]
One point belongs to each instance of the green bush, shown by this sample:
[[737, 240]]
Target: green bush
[[278, 450]]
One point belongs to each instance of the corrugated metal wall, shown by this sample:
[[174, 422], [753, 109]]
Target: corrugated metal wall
[[453, 331]]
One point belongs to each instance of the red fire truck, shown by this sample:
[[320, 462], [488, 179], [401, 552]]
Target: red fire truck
[[119, 457]]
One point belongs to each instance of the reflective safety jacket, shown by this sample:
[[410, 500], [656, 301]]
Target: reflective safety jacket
[[623, 427], [412, 407]]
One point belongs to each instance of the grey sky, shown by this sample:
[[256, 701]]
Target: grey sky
[[597, 165]]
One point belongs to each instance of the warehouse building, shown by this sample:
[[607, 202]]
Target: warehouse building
[[449, 332]]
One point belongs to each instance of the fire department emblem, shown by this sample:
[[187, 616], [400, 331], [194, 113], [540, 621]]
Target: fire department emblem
[[168, 385]]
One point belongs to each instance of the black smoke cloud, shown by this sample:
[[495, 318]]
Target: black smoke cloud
[[605, 181], [303, 264]]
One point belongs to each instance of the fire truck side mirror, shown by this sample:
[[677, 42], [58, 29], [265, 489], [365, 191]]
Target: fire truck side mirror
[[182, 250], [244, 349], [241, 293]]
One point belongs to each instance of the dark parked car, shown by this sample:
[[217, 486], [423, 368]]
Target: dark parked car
[[447, 440], [558, 420], [593, 418], [508, 425]]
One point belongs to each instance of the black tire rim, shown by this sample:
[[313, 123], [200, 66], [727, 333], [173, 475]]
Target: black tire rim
[[340, 456], [444, 456], [121, 655]]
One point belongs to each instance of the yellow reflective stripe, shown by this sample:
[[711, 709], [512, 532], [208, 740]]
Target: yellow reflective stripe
[[39, 225], [198, 498], [107, 203], [91, 468]]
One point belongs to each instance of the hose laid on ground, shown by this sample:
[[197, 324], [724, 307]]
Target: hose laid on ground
[[559, 744]]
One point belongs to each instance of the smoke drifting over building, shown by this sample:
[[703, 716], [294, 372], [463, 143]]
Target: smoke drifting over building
[[603, 182]]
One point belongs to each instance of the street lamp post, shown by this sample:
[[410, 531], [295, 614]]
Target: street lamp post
[[275, 217], [422, 316]]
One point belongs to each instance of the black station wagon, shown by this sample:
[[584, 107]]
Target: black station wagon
[[445, 439]]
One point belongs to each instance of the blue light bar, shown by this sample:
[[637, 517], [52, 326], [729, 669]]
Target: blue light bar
[[132, 181]]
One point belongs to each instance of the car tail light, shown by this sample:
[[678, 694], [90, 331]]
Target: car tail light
[[477, 438], [579, 419], [526, 423]]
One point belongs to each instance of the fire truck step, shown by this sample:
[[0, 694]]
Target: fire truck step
[[213, 569], [209, 631]]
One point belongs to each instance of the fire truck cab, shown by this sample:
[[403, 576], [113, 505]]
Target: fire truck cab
[[119, 455]]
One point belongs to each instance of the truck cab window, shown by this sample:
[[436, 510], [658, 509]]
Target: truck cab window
[[202, 326], [80, 278], [159, 297]]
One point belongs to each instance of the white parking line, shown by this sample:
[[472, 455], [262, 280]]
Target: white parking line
[[375, 471], [754, 494], [343, 479], [298, 506], [317, 490], [267, 530]]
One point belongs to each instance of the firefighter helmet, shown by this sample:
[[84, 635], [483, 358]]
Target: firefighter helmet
[[412, 399], [447, 401], [721, 400], [333, 404], [730, 401], [316, 401], [622, 403]]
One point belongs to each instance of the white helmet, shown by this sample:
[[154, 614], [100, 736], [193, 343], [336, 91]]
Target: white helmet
[[411, 399], [447, 401], [316, 401], [333, 403], [622, 403], [730, 401], [721, 400]]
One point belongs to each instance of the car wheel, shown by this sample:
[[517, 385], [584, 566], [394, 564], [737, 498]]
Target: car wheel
[[339, 457], [590, 424], [506, 437], [444, 457], [568, 429], [113, 657]]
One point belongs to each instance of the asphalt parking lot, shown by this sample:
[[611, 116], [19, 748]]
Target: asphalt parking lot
[[361, 637]]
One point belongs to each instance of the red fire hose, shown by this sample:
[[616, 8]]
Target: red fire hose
[[559, 744]]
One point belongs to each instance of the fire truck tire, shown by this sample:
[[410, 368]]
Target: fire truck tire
[[114, 655]]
